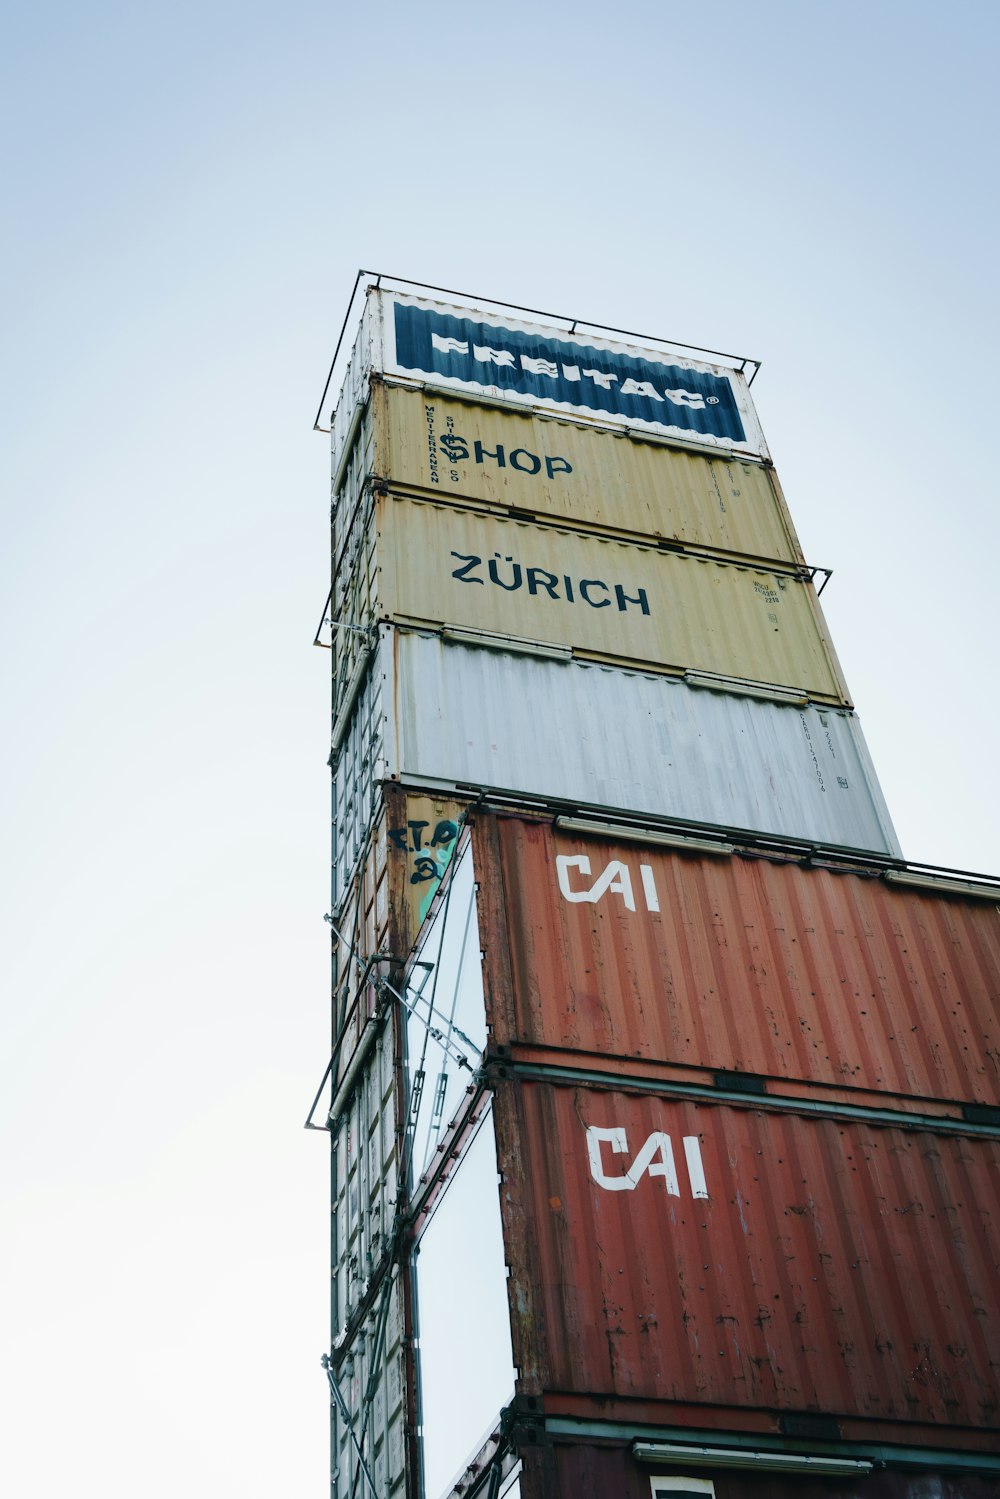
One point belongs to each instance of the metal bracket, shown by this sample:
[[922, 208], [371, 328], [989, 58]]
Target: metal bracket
[[325, 1128]]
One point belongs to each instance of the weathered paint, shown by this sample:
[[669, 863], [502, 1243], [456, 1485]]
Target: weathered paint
[[353, 394], [739, 963], [422, 845], [712, 1256], [608, 1470], [350, 483], [456, 716], [382, 899], [383, 1365], [544, 465], [365, 1182], [597, 737], [443, 565], [543, 366], [369, 1345]]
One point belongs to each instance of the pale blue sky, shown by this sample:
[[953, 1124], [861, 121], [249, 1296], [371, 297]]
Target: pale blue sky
[[190, 191]]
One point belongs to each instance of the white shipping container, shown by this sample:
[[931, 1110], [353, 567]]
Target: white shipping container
[[501, 357], [442, 713]]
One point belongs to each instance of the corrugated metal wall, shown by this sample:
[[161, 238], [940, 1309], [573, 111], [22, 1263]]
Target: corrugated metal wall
[[525, 364], [366, 1180], [447, 566], [382, 902], [353, 396], [448, 713], [747, 1092], [591, 1469], [737, 962], [368, 1313], [371, 1379], [593, 736], [544, 465], [732, 1257]]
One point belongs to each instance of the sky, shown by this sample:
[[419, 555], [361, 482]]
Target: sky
[[190, 191]]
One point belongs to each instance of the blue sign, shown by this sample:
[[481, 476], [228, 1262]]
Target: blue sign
[[540, 366]]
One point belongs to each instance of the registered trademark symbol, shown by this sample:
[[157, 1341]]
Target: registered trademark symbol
[[712, 400]]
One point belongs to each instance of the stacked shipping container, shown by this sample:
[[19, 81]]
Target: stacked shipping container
[[743, 1075]]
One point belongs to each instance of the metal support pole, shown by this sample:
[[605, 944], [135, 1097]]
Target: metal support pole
[[342, 1407]]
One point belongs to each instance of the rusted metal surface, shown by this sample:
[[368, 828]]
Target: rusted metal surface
[[566, 470], [366, 1186], [400, 853], [409, 844], [439, 564], [753, 1424], [715, 1256], [604, 1470], [370, 1372], [620, 949], [373, 1333]]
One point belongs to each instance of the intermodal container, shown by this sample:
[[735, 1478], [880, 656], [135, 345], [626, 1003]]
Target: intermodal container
[[373, 1378], [365, 1179], [617, 481], [463, 349], [381, 897], [588, 1468], [716, 1259], [734, 962], [438, 564], [447, 715]]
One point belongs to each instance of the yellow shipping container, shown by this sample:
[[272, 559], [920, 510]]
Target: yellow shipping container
[[419, 562], [460, 451]]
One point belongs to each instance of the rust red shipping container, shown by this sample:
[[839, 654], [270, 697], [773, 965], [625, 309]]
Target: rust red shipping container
[[667, 1253], [579, 1470], [738, 963]]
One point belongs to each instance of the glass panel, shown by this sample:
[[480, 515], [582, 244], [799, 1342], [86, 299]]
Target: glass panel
[[465, 1368]]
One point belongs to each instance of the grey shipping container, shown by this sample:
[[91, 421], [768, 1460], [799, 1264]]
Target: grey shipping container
[[442, 712]]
